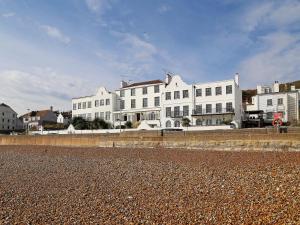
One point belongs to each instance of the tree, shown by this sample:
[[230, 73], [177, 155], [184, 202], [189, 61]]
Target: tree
[[185, 122], [98, 123], [80, 123], [128, 124]]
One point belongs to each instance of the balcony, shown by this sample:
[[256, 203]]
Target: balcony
[[214, 111], [177, 114]]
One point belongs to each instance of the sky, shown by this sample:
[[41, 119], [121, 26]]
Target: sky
[[52, 51]]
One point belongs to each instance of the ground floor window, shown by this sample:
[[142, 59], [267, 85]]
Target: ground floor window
[[199, 122], [168, 123], [177, 123], [208, 122]]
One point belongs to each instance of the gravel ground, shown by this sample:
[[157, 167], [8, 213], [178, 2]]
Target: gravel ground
[[52, 185]]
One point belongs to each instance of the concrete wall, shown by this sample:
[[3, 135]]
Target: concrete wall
[[254, 139]]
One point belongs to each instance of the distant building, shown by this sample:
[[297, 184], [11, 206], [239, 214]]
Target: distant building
[[8, 118], [34, 119], [163, 103], [270, 100], [64, 117]]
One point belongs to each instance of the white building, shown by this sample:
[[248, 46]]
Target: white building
[[101, 105], [270, 100], [8, 118], [163, 104], [139, 102]]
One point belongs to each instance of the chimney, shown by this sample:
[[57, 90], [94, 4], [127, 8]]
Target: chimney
[[237, 78], [259, 89], [168, 78], [276, 87], [51, 108], [124, 84], [293, 88]]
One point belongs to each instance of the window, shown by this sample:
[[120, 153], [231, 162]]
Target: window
[[280, 101], [168, 111], [177, 123], [208, 108], [133, 103], [229, 89], [101, 115], [269, 102], [218, 107], [122, 104], [132, 92], [145, 90], [89, 117], [96, 115], [84, 105], [176, 111], [168, 95], [207, 91], [269, 115], [229, 107], [89, 104], [156, 89], [79, 105], [74, 106], [176, 95], [185, 110], [185, 93], [218, 121], [208, 122], [145, 102], [101, 102], [198, 109], [97, 103], [107, 115], [199, 122], [107, 101], [168, 123], [156, 101], [218, 90], [122, 93], [198, 92]]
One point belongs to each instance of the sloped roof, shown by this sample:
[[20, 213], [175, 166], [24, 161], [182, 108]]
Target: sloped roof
[[144, 83], [40, 113], [4, 105]]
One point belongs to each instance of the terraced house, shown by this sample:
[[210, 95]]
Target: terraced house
[[163, 103]]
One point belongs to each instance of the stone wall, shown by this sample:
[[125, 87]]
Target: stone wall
[[254, 139]]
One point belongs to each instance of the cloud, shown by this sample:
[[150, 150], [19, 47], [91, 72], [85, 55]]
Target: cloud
[[55, 33], [97, 6], [9, 14], [164, 8], [40, 89], [273, 14], [279, 60]]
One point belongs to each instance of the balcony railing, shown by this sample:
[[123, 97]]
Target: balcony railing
[[213, 111], [177, 114]]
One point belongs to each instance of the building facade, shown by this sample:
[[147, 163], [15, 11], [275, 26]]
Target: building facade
[[270, 100], [164, 103], [101, 105], [8, 118], [34, 119]]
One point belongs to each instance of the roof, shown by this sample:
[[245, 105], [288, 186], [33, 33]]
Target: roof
[[40, 113], [144, 83], [4, 105]]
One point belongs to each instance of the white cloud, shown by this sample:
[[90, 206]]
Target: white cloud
[[164, 8], [274, 14], [9, 14], [278, 61], [55, 33], [40, 89], [97, 6]]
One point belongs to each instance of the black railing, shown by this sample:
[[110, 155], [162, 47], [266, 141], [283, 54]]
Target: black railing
[[213, 111], [177, 114]]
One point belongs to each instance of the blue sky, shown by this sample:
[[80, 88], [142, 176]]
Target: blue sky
[[51, 51]]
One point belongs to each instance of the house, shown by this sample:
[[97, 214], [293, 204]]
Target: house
[[64, 117], [8, 118], [35, 119], [101, 105], [163, 103], [271, 101]]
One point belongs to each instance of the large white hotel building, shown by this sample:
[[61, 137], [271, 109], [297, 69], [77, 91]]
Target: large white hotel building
[[163, 103]]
